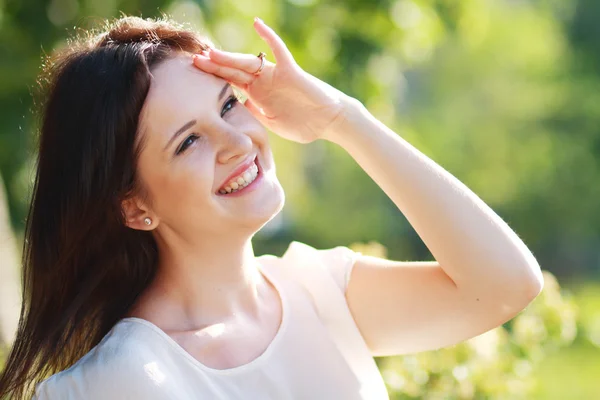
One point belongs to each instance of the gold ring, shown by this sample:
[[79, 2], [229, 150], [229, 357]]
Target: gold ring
[[262, 56]]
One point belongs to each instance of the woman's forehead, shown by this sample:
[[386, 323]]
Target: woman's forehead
[[179, 91], [177, 80]]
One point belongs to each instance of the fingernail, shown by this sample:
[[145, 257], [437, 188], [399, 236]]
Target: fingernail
[[256, 19]]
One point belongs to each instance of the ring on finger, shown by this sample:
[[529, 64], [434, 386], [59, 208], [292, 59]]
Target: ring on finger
[[262, 56]]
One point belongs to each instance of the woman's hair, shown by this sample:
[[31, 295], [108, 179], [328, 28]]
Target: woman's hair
[[83, 268]]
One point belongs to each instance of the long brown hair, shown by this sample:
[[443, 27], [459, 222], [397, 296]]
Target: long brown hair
[[83, 268]]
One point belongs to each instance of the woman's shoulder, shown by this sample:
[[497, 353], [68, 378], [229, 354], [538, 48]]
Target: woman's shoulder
[[304, 260], [117, 364]]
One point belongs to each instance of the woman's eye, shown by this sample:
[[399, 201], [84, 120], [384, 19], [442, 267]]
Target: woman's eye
[[187, 143], [229, 104]]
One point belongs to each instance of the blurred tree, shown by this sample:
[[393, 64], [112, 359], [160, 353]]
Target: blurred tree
[[504, 94]]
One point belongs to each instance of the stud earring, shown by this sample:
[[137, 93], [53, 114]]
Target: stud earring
[[147, 221]]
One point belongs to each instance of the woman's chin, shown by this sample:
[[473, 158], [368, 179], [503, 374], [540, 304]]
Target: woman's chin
[[269, 206]]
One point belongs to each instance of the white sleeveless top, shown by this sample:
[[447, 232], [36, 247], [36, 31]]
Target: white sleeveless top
[[317, 353]]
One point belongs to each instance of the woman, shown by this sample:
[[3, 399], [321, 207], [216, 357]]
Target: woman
[[140, 277]]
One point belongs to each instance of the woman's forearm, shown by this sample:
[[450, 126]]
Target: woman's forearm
[[473, 245]]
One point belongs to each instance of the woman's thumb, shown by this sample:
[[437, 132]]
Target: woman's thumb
[[257, 112]]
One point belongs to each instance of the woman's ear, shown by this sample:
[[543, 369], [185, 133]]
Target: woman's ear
[[137, 215]]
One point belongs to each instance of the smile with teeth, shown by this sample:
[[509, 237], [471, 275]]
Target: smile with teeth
[[241, 181]]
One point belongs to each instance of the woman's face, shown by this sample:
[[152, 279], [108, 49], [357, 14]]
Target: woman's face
[[196, 136]]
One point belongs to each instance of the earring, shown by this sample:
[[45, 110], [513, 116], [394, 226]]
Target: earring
[[147, 221]]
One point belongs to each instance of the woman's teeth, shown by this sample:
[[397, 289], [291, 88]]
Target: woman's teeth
[[241, 181]]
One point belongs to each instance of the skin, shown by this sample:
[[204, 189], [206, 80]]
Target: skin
[[483, 274]]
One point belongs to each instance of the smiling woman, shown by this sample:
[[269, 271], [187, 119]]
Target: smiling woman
[[135, 145], [140, 277]]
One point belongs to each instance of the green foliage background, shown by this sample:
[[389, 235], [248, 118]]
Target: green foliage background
[[505, 94]]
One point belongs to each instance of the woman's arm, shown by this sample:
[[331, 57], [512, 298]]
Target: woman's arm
[[484, 274]]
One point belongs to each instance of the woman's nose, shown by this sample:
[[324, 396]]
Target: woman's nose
[[235, 143]]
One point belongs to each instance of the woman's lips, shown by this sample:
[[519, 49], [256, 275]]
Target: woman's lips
[[258, 176], [238, 171]]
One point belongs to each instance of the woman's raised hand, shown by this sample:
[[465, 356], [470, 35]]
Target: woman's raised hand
[[285, 98]]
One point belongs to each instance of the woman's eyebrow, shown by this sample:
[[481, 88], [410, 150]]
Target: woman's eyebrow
[[224, 90], [184, 128]]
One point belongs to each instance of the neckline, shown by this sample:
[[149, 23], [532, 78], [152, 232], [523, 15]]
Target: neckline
[[240, 368]]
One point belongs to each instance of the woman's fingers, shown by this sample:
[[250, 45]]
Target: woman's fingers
[[234, 75], [250, 63], [280, 51], [241, 68], [245, 62]]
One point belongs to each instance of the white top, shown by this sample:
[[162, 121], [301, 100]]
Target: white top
[[317, 353]]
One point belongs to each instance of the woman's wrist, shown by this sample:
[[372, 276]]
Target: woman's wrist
[[352, 112]]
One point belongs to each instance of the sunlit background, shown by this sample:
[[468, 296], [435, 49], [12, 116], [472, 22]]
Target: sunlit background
[[505, 94]]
